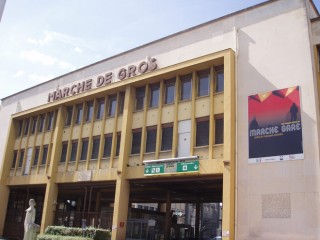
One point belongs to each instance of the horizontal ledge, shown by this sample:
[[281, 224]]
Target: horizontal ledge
[[172, 159]]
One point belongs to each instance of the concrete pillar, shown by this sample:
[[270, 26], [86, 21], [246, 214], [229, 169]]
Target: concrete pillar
[[197, 231], [49, 205], [121, 200], [5, 171]]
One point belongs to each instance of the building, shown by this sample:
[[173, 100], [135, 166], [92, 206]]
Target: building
[[226, 112]]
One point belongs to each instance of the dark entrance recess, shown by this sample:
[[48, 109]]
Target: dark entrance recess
[[85, 204], [17, 204]]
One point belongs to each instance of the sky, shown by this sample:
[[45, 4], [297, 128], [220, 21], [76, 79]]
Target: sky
[[41, 40]]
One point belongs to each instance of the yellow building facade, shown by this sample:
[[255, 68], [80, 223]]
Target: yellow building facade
[[103, 141]]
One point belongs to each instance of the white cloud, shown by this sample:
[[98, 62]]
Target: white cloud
[[35, 56], [19, 74], [48, 37], [78, 50], [39, 78], [38, 57]]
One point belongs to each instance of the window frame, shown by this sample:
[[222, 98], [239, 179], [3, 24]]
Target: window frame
[[202, 138], [136, 141], [154, 95], [170, 83], [151, 144], [184, 80], [164, 128]]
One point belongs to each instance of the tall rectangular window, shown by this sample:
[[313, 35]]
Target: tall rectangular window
[[169, 91], [20, 123], [64, 152], [41, 123], [203, 83], [140, 94], [202, 134], [21, 158], [154, 95], [50, 121], [89, 113], [69, 116], [14, 160], [219, 79], [136, 141], [107, 146], [26, 126], [95, 148], [167, 135], [84, 149], [44, 155], [112, 105], [79, 114], [36, 156], [34, 125], [185, 91], [219, 125], [118, 144], [121, 102], [100, 108], [74, 148], [151, 139]]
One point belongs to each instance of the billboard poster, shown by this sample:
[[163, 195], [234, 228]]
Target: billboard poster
[[275, 129]]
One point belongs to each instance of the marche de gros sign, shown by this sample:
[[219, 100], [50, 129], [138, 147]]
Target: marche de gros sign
[[103, 80]]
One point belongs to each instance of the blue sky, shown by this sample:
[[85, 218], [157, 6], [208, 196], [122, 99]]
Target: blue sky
[[40, 40]]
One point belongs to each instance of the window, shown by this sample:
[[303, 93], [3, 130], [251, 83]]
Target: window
[[84, 149], [89, 111], [21, 158], [151, 139], [79, 114], [219, 125], [26, 126], [14, 160], [41, 122], [136, 141], [34, 125], [202, 134], [95, 148], [203, 83], [50, 121], [140, 93], [121, 102], [36, 157], [219, 79], [167, 134], [19, 128], [107, 146], [185, 93], [118, 144], [100, 110], [69, 115], [64, 152], [44, 155], [154, 95], [170, 91], [74, 148], [112, 105]]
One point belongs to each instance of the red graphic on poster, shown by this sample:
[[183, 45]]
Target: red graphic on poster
[[275, 130]]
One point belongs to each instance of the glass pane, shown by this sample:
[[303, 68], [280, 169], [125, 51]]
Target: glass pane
[[74, 148], [89, 111], [100, 110], [26, 128], [118, 144], [95, 148], [64, 152], [84, 150], [69, 115], [44, 155], [220, 81], [140, 92], [170, 93], [79, 114], [136, 142], [202, 138], [219, 131], [107, 146], [34, 124], [151, 140], [112, 105], [203, 84], [186, 88], [21, 158], [36, 157], [166, 143], [154, 95]]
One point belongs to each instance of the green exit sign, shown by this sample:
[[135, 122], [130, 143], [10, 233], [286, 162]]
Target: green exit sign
[[171, 167]]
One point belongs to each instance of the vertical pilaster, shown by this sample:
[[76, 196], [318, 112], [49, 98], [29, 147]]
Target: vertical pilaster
[[5, 170], [228, 194], [52, 188], [121, 200]]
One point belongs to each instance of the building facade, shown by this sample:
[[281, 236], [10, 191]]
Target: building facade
[[222, 117]]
